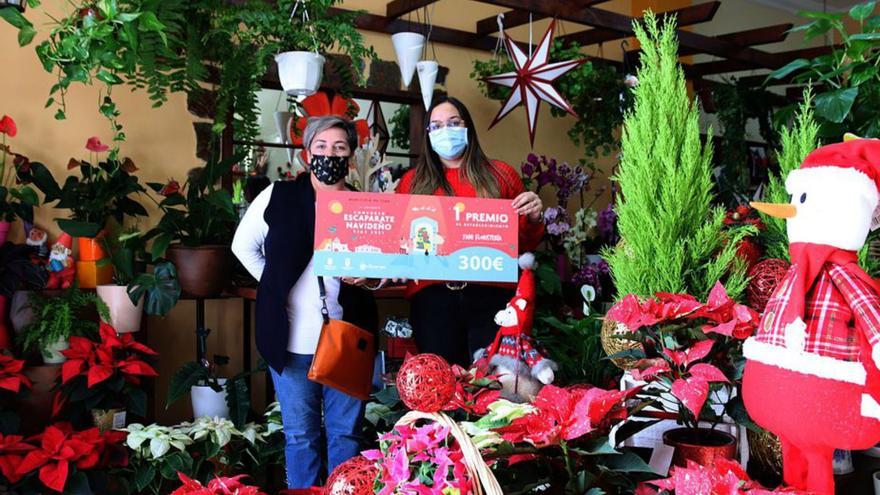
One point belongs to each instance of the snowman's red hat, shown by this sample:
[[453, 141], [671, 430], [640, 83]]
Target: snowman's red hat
[[855, 163]]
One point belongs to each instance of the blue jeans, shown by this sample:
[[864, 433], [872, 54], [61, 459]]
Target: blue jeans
[[304, 404]]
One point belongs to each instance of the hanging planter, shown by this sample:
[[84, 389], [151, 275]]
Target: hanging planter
[[300, 72], [427, 70], [408, 47], [125, 316], [208, 402]]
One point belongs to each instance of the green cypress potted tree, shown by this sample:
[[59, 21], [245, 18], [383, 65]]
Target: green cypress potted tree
[[196, 228]]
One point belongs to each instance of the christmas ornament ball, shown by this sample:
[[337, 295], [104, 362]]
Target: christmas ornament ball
[[353, 477], [425, 383], [765, 276]]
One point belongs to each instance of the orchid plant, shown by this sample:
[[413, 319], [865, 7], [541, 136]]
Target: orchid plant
[[678, 334]]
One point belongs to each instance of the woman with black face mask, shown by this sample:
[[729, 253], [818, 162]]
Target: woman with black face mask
[[275, 242]]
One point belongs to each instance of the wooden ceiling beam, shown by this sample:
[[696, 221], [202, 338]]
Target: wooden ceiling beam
[[687, 16], [723, 66], [513, 18], [623, 24], [399, 8], [751, 37]]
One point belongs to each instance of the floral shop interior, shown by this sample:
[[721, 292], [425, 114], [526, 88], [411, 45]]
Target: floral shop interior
[[222, 223]]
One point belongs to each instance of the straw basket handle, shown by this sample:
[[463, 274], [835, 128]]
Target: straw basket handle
[[483, 479]]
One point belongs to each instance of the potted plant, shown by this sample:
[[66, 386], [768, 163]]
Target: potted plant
[[57, 319], [211, 395], [691, 358], [196, 228], [100, 192], [16, 201], [102, 377], [17, 271], [135, 289]]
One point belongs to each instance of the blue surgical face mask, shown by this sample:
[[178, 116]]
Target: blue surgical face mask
[[449, 142]]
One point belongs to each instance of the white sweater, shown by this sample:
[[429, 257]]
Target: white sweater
[[304, 301]]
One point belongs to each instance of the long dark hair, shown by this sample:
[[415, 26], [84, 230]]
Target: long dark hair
[[476, 167]]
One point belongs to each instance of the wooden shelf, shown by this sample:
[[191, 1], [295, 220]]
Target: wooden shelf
[[250, 293]]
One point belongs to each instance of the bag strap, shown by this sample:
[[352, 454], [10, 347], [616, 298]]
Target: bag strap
[[325, 313]]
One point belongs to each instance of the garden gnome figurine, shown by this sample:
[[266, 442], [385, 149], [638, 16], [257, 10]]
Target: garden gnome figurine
[[514, 355], [60, 264], [811, 374], [38, 239]]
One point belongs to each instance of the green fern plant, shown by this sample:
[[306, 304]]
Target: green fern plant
[[59, 317], [673, 238]]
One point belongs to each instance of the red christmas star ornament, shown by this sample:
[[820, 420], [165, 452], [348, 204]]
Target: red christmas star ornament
[[532, 81]]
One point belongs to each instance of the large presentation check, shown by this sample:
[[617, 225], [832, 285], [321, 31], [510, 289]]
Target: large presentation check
[[416, 237]]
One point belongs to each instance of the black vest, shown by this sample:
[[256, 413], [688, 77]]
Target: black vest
[[288, 247]]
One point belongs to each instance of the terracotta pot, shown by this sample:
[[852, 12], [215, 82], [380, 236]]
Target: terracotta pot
[[4, 230], [125, 317], [35, 407], [202, 271], [90, 248], [700, 445]]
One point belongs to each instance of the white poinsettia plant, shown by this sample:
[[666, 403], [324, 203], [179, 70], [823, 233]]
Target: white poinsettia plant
[[154, 441], [216, 429]]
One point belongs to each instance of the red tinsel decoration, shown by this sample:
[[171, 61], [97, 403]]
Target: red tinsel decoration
[[425, 383], [353, 477], [765, 276]]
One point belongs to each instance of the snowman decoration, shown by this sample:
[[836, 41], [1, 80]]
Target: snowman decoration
[[811, 374], [514, 356]]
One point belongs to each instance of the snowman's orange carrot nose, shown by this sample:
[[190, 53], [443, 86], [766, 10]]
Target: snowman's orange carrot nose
[[778, 210]]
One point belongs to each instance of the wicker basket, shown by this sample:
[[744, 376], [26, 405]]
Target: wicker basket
[[766, 451], [613, 344], [483, 480]]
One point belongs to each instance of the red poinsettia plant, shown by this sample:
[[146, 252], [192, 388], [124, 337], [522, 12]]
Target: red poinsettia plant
[[475, 389], [12, 378], [59, 453], [217, 486], [689, 349], [104, 374], [724, 477]]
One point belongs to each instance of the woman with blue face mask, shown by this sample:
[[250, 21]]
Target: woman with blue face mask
[[456, 319]]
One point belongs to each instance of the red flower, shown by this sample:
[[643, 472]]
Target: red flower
[[724, 477], [319, 105], [12, 451], [54, 456], [170, 189], [11, 376], [95, 144], [99, 361], [7, 126], [217, 486], [474, 390], [631, 314], [565, 414]]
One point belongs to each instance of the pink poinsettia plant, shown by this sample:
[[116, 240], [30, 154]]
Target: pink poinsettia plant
[[689, 348], [724, 477], [420, 459]]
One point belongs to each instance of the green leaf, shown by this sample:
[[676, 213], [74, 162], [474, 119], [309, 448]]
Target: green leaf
[[862, 74], [184, 380], [160, 245], [26, 35], [77, 484], [108, 77], [160, 289], [835, 105], [174, 463], [79, 229], [865, 37], [239, 401], [143, 476], [627, 462], [788, 68], [136, 400], [862, 11]]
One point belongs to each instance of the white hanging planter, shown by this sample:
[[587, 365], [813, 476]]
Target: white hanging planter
[[427, 70], [208, 402], [300, 73], [408, 47], [52, 352], [125, 317]]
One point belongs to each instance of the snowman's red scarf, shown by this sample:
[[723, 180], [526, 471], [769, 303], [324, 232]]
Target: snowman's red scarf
[[808, 260]]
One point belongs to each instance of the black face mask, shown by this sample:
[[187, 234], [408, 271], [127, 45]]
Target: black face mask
[[329, 169]]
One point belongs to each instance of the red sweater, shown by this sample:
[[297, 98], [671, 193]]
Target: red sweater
[[510, 186]]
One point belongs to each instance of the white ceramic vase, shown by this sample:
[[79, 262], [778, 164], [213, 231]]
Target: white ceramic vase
[[52, 352], [408, 47], [208, 402], [125, 317], [300, 73]]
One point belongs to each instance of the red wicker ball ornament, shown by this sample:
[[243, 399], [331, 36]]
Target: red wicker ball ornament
[[353, 477], [765, 276], [425, 383]]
